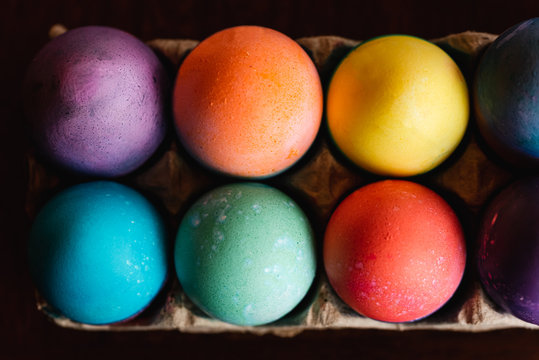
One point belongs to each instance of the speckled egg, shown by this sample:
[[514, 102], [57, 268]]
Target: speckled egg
[[506, 94], [394, 251], [508, 257], [245, 254], [97, 252], [397, 105], [95, 99], [247, 102]]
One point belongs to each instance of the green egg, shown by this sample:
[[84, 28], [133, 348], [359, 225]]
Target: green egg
[[245, 254]]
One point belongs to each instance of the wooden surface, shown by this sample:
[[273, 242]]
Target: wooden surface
[[26, 333]]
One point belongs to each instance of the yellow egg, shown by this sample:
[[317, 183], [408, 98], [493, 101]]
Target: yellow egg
[[397, 105]]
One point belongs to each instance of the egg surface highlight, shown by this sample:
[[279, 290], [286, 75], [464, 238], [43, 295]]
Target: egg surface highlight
[[247, 102], [245, 254]]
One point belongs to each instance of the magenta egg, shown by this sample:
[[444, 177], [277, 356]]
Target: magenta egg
[[95, 100], [508, 257]]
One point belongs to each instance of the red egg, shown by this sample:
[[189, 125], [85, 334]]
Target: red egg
[[394, 251]]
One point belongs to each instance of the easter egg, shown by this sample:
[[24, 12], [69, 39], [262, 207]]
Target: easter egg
[[397, 105], [508, 256], [506, 94], [394, 251], [247, 102], [97, 252], [245, 254], [95, 100]]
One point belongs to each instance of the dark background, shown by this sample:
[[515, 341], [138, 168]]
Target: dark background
[[26, 333]]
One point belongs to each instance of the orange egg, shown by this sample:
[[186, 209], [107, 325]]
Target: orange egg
[[247, 102]]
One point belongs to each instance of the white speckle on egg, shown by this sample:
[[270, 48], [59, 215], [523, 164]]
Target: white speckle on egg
[[195, 220], [206, 199], [281, 242], [248, 310], [218, 235], [256, 208]]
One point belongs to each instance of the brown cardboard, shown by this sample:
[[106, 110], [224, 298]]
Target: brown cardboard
[[322, 179]]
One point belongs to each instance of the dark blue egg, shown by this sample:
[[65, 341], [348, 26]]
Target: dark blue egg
[[97, 252], [508, 257], [506, 94]]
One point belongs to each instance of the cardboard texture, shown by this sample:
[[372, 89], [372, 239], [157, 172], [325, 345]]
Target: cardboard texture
[[467, 180]]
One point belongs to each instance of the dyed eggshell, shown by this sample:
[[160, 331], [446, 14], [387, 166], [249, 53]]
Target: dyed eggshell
[[97, 252], [247, 102], [245, 254], [394, 251], [397, 105], [508, 256], [506, 94], [95, 98]]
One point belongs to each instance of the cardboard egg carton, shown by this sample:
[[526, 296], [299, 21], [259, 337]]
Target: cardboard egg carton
[[321, 179]]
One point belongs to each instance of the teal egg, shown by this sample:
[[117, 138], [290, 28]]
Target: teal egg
[[97, 252], [245, 254]]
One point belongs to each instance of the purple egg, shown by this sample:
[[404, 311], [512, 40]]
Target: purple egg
[[506, 94], [508, 257], [95, 99]]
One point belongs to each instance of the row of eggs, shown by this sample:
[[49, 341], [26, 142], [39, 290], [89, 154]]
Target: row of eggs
[[248, 103], [245, 253]]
